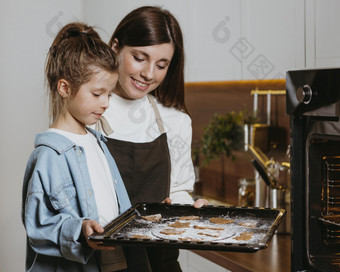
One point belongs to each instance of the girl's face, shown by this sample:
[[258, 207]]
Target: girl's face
[[142, 68], [91, 101]]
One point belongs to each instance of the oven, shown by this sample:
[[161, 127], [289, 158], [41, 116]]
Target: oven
[[313, 104]]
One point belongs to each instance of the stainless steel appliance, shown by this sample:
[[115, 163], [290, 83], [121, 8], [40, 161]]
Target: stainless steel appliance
[[313, 105]]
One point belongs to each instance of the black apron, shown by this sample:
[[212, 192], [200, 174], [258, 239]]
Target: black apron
[[145, 170]]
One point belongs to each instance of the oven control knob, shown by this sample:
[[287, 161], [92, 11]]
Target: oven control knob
[[304, 94]]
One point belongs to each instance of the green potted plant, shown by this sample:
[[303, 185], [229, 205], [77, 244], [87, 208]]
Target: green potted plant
[[223, 135]]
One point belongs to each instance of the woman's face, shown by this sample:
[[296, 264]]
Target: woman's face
[[142, 68]]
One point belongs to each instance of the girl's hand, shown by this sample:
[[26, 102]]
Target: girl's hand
[[167, 201], [88, 228]]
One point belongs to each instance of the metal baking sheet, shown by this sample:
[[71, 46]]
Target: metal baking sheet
[[249, 229]]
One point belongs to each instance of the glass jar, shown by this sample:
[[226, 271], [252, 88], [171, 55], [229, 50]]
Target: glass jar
[[246, 192]]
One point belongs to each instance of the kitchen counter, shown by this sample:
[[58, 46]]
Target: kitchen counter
[[274, 258]]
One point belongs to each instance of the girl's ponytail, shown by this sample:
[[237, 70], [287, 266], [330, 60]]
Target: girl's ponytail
[[73, 55]]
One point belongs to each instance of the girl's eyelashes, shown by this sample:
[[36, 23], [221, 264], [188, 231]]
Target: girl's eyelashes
[[97, 93]]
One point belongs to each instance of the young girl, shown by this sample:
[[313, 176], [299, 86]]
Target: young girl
[[72, 186]]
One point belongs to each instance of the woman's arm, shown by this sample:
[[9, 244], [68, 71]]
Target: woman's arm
[[182, 170]]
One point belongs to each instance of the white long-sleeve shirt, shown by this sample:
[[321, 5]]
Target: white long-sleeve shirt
[[135, 121]]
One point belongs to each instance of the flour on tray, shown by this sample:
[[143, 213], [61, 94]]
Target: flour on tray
[[195, 229]]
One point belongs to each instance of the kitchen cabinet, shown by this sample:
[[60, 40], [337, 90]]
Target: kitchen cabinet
[[244, 40], [237, 40], [274, 31], [322, 33], [229, 39], [192, 262]]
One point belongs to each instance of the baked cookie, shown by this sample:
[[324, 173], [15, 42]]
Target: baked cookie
[[244, 236], [210, 234], [220, 220], [208, 227], [248, 225], [153, 217], [140, 236], [191, 239], [188, 217], [172, 231], [178, 224]]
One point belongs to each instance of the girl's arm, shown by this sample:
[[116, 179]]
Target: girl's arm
[[88, 228], [51, 211]]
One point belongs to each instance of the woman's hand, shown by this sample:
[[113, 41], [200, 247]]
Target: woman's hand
[[88, 228], [199, 203]]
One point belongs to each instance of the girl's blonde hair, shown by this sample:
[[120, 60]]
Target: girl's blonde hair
[[73, 56]]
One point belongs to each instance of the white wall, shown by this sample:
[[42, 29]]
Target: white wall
[[27, 29]]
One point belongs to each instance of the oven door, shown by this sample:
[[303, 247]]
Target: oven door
[[323, 197]]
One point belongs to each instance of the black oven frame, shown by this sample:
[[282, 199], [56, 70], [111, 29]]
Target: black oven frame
[[312, 96]]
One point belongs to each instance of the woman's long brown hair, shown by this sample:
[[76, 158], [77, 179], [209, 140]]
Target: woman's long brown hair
[[151, 25]]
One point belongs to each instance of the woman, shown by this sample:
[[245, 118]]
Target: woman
[[149, 131]]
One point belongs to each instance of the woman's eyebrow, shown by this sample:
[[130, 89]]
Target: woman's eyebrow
[[140, 52], [165, 59]]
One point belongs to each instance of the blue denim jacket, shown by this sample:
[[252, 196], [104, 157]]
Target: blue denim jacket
[[57, 197]]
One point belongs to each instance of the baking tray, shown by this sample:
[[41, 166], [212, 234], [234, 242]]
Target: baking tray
[[249, 230]]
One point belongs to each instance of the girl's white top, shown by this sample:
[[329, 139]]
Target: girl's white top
[[100, 174]]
